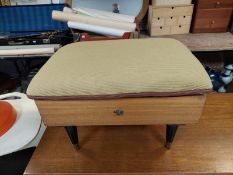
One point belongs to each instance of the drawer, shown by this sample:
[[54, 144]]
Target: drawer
[[173, 11], [184, 20], [180, 29], [211, 4], [170, 2], [160, 30], [171, 21], [159, 21], [212, 20], [126, 111]]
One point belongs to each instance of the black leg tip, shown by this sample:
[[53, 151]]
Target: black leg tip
[[168, 145], [76, 146]]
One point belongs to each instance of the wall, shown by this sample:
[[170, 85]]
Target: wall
[[131, 7]]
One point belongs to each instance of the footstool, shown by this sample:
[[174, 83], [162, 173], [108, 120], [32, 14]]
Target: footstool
[[122, 82]]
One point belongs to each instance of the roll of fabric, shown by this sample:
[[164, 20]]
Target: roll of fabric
[[105, 15], [68, 10], [15, 52], [96, 29], [66, 16]]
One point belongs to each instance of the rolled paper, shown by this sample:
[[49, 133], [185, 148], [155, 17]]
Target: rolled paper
[[96, 29], [15, 52], [105, 14], [68, 10], [66, 16]]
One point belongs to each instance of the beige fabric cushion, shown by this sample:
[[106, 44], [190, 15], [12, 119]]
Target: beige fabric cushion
[[121, 68]]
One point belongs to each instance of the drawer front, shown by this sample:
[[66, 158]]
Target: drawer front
[[160, 30], [173, 11], [212, 20], [171, 21], [180, 29], [184, 20], [170, 2], [128, 111], [212, 4], [159, 21]]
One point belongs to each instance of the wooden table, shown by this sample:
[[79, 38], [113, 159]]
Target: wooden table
[[205, 147], [204, 41]]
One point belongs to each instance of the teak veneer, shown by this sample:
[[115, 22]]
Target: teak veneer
[[171, 111], [135, 111]]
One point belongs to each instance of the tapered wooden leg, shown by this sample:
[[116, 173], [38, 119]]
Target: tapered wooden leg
[[170, 134], [73, 135]]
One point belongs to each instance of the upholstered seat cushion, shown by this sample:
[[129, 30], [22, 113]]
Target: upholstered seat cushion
[[120, 68]]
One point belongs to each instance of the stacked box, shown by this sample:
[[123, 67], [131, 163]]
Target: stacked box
[[170, 2], [168, 20]]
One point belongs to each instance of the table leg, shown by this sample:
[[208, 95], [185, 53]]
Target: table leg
[[73, 135], [170, 134]]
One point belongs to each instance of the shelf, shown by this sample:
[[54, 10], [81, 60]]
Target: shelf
[[204, 41]]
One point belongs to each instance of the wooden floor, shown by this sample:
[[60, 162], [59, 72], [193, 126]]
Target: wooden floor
[[206, 147]]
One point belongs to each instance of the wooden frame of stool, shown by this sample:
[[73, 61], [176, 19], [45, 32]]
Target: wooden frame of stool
[[171, 111]]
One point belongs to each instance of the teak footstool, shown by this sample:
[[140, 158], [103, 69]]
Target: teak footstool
[[122, 82]]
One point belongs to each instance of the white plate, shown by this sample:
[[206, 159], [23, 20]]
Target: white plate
[[26, 126]]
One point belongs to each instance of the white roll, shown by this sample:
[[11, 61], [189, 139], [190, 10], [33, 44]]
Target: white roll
[[66, 16], [105, 15], [16, 52], [96, 29], [68, 10]]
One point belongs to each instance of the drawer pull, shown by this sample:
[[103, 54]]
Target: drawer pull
[[173, 8], [119, 112], [212, 22], [217, 4], [171, 17], [180, 26], [161, 27], [158, 18]]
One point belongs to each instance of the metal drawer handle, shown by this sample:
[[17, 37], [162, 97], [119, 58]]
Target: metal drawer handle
[[217, 4], [119, 112]]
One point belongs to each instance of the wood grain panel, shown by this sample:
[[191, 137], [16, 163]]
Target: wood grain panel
[[203, 148], [172, 11], [143, 11], [210, 20], [211, 4], [137, 111], [69, 3], [179, 29]]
